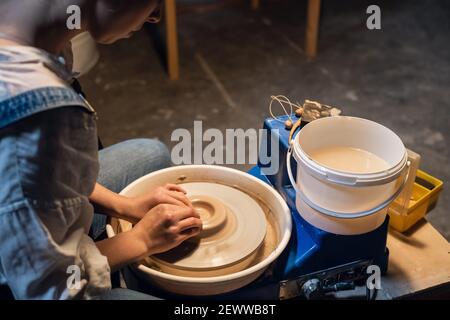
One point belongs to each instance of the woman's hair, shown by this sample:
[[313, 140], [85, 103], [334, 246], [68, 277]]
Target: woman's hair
[[106, 20]]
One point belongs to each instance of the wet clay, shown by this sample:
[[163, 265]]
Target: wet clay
[[164, 262], [218, 220], [234, 228]]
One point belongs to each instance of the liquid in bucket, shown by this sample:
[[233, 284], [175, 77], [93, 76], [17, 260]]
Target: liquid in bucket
[[348, 159]]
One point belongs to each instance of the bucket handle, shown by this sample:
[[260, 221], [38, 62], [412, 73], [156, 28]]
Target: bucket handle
[[334, 214]]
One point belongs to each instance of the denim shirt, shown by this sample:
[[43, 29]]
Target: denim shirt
[[48, 169]]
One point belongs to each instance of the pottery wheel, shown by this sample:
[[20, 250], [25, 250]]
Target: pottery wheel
[[234, 226]]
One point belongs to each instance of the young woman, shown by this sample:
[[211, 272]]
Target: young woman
[[51, 173]]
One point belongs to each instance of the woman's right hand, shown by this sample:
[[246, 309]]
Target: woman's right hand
[[166, 226]]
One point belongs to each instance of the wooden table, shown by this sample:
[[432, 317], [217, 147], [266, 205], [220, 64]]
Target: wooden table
[[419, 260], [312, 33], [419, 265]]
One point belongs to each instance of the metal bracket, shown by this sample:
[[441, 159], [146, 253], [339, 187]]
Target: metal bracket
[[318, 283]]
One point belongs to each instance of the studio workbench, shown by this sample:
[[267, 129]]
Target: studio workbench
[[419, 266]]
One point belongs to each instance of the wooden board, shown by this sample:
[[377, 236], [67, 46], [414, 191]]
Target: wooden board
[[419, 263], [419, 260]]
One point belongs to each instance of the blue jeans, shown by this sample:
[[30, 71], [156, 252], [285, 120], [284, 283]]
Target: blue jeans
[[120, 165]]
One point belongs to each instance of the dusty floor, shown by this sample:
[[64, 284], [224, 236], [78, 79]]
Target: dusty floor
[[234, 58]]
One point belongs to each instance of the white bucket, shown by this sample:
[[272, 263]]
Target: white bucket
[[347, 201]]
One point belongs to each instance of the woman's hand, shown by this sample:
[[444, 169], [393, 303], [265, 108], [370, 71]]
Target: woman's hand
[[134, 209], [166, 226], [137, 207], [170, 221]]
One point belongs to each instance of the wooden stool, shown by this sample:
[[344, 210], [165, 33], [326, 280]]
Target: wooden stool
[[173, 60]]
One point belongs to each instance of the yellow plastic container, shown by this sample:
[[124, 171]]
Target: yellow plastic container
[[424, 197]]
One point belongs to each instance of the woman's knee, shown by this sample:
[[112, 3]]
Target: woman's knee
[[122, 163], [152, 152]]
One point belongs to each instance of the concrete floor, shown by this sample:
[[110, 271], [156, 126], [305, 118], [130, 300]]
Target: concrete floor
[[234, 58]]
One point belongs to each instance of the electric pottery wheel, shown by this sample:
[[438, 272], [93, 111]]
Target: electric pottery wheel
[[246, 226], [335, 235], [339, 217]]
